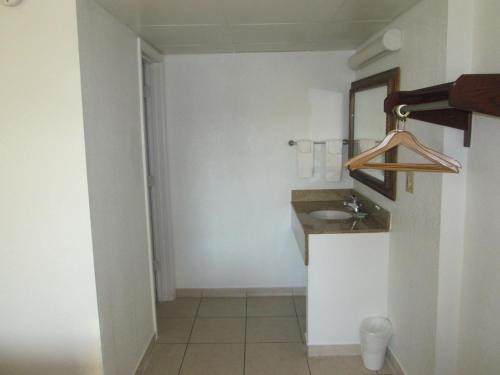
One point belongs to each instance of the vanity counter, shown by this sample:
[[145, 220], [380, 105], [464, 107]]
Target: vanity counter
[[306, 201], [371, 223]]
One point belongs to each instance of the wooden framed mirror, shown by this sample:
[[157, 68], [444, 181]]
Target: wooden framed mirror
[[368, 125]]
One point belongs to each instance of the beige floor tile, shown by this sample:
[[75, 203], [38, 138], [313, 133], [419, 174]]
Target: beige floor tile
[[342, 365], [174, 330], [276, 359], [213, 359], [166, 359], [219, 330], [385, 370], [270, 306], [224, 292], [265, 329], [300, 305], [303, 327], [180, 308], [267, 292], [222, 307]]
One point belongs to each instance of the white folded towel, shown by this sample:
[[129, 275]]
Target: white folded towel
[[305, 158], [333, 160]]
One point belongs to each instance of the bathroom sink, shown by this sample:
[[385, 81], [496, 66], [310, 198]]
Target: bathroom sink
[[330, 215]]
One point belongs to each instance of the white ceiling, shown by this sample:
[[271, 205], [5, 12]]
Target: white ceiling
[[198, 26]]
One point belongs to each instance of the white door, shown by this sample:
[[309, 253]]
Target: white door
[[150, 168]]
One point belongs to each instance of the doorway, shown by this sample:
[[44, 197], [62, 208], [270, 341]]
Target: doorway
[[155, 161], [152, 198]]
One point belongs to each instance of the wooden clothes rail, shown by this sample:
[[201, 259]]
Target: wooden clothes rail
[[451, 104]]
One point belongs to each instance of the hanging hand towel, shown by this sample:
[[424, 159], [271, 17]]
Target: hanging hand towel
[[305, 158], [333, 160]]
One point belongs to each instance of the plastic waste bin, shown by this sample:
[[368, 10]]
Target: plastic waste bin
[[374, 335]]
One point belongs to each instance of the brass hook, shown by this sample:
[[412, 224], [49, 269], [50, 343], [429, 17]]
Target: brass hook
[[401, 117]]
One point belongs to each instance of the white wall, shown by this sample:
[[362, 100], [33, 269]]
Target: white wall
[[415, 233], [453, 195], [229, 119], [48, 315], [480, 323], [112, 118]]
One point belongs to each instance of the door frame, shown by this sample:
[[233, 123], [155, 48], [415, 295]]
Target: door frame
[[160, 226]]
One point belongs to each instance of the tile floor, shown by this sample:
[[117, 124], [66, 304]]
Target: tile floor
[[233, 336]]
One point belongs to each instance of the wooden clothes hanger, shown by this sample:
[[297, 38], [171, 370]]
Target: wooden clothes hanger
[[440, 162]]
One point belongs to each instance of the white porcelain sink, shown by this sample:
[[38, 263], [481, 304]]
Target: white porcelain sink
[[330, 215]]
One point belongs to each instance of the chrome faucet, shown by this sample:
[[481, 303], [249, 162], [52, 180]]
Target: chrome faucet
[[354, 204]]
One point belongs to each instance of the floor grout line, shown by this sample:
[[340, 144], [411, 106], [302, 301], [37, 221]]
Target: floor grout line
[[221, 317], [245, 343], [235, 317], [274, 316], [302, 336], [233, 342], [189, 338]]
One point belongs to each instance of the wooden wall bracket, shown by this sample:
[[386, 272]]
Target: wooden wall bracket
[[470, 93]]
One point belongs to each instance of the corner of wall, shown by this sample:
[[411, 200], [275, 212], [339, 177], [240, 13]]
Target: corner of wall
[[459, 52], [416, 234]]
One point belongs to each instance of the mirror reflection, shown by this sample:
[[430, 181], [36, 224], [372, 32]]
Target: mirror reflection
[[370, 124]]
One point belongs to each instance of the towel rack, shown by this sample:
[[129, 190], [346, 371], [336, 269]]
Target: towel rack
[[291, 142]]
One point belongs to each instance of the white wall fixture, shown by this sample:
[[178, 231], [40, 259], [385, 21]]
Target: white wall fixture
[[388, 42], [11, 3]]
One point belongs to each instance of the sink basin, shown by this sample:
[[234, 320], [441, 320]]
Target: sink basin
[[330, 215]]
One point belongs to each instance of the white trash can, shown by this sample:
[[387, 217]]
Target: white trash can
[[374, 335]]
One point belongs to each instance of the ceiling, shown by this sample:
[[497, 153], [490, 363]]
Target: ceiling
[[211, 26]]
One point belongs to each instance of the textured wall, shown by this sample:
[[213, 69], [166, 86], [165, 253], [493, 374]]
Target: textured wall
[[229, 120], [112, 119], [415, 234]]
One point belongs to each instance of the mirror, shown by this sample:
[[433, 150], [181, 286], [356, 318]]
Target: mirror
[[368, 125]]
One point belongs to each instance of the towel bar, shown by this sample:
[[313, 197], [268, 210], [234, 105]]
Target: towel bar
[[291, 142]]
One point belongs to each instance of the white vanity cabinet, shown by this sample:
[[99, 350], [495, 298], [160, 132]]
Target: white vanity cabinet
[[347, 262], [347, 281]]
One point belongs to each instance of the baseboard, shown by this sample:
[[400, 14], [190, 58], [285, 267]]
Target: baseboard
[[394, 363], [333, 350], [143, 363], [240, 292]]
